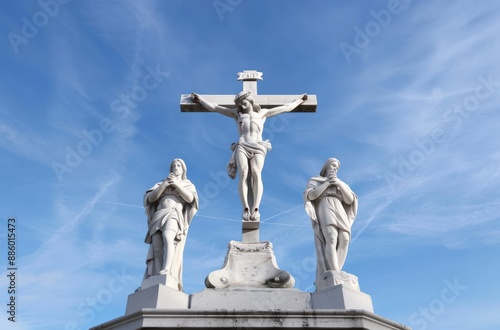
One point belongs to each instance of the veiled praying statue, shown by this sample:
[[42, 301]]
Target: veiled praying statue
[[170, 207]]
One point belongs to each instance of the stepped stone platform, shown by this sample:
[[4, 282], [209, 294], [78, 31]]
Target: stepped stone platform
[[250, 291], [151, 318]]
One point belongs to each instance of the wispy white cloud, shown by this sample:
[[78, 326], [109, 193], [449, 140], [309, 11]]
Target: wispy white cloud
[[20, 140], [69, 253]]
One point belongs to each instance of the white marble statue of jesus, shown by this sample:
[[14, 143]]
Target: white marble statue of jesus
[[250, 151]]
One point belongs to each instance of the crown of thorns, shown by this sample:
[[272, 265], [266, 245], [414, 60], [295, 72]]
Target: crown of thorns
[[241, 96]]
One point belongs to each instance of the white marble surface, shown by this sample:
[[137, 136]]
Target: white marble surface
[[332, 207], [170, 207], [341, 297], [250, 319], [250, 150], [251, 299], [332, 278], [157, 296], [249, 265]]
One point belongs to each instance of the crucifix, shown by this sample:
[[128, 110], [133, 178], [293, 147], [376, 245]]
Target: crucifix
[[250, 111]]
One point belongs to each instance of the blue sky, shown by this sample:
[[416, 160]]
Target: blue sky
[[408, 97]]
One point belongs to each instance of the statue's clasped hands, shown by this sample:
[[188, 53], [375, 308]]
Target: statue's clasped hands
[[172, 180], [333, 180]]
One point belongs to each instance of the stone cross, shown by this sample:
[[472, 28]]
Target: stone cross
[[250, 229]]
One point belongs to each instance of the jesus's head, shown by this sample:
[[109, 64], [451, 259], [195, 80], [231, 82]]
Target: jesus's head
[[245, 102]]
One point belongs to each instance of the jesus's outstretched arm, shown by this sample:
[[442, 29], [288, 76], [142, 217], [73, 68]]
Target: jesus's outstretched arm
[[285, 107], [210, 106]]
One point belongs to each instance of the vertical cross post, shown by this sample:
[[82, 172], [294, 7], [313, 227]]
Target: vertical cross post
[[250, 229]]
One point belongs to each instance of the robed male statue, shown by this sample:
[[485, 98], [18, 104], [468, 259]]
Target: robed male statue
[[332, 207]]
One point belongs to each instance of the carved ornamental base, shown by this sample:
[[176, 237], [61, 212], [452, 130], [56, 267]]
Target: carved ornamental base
[[249, 265], [331, 278]]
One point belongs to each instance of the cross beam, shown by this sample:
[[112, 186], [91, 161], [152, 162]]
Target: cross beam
[[265, 101], [249, 78]]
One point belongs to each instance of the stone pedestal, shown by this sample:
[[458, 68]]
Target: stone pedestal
[[250, 231], [341, 297], [161, 291], [339, 290], [250, 291], [248, 319], [251, 265], [156, 296], [251, 299], [166, 280]]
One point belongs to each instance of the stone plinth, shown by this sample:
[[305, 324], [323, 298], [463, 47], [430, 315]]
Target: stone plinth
[[167, 280], [246, 319], [341, 297], [250, 265], [250, 291], [251, 299], [156, 296]]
